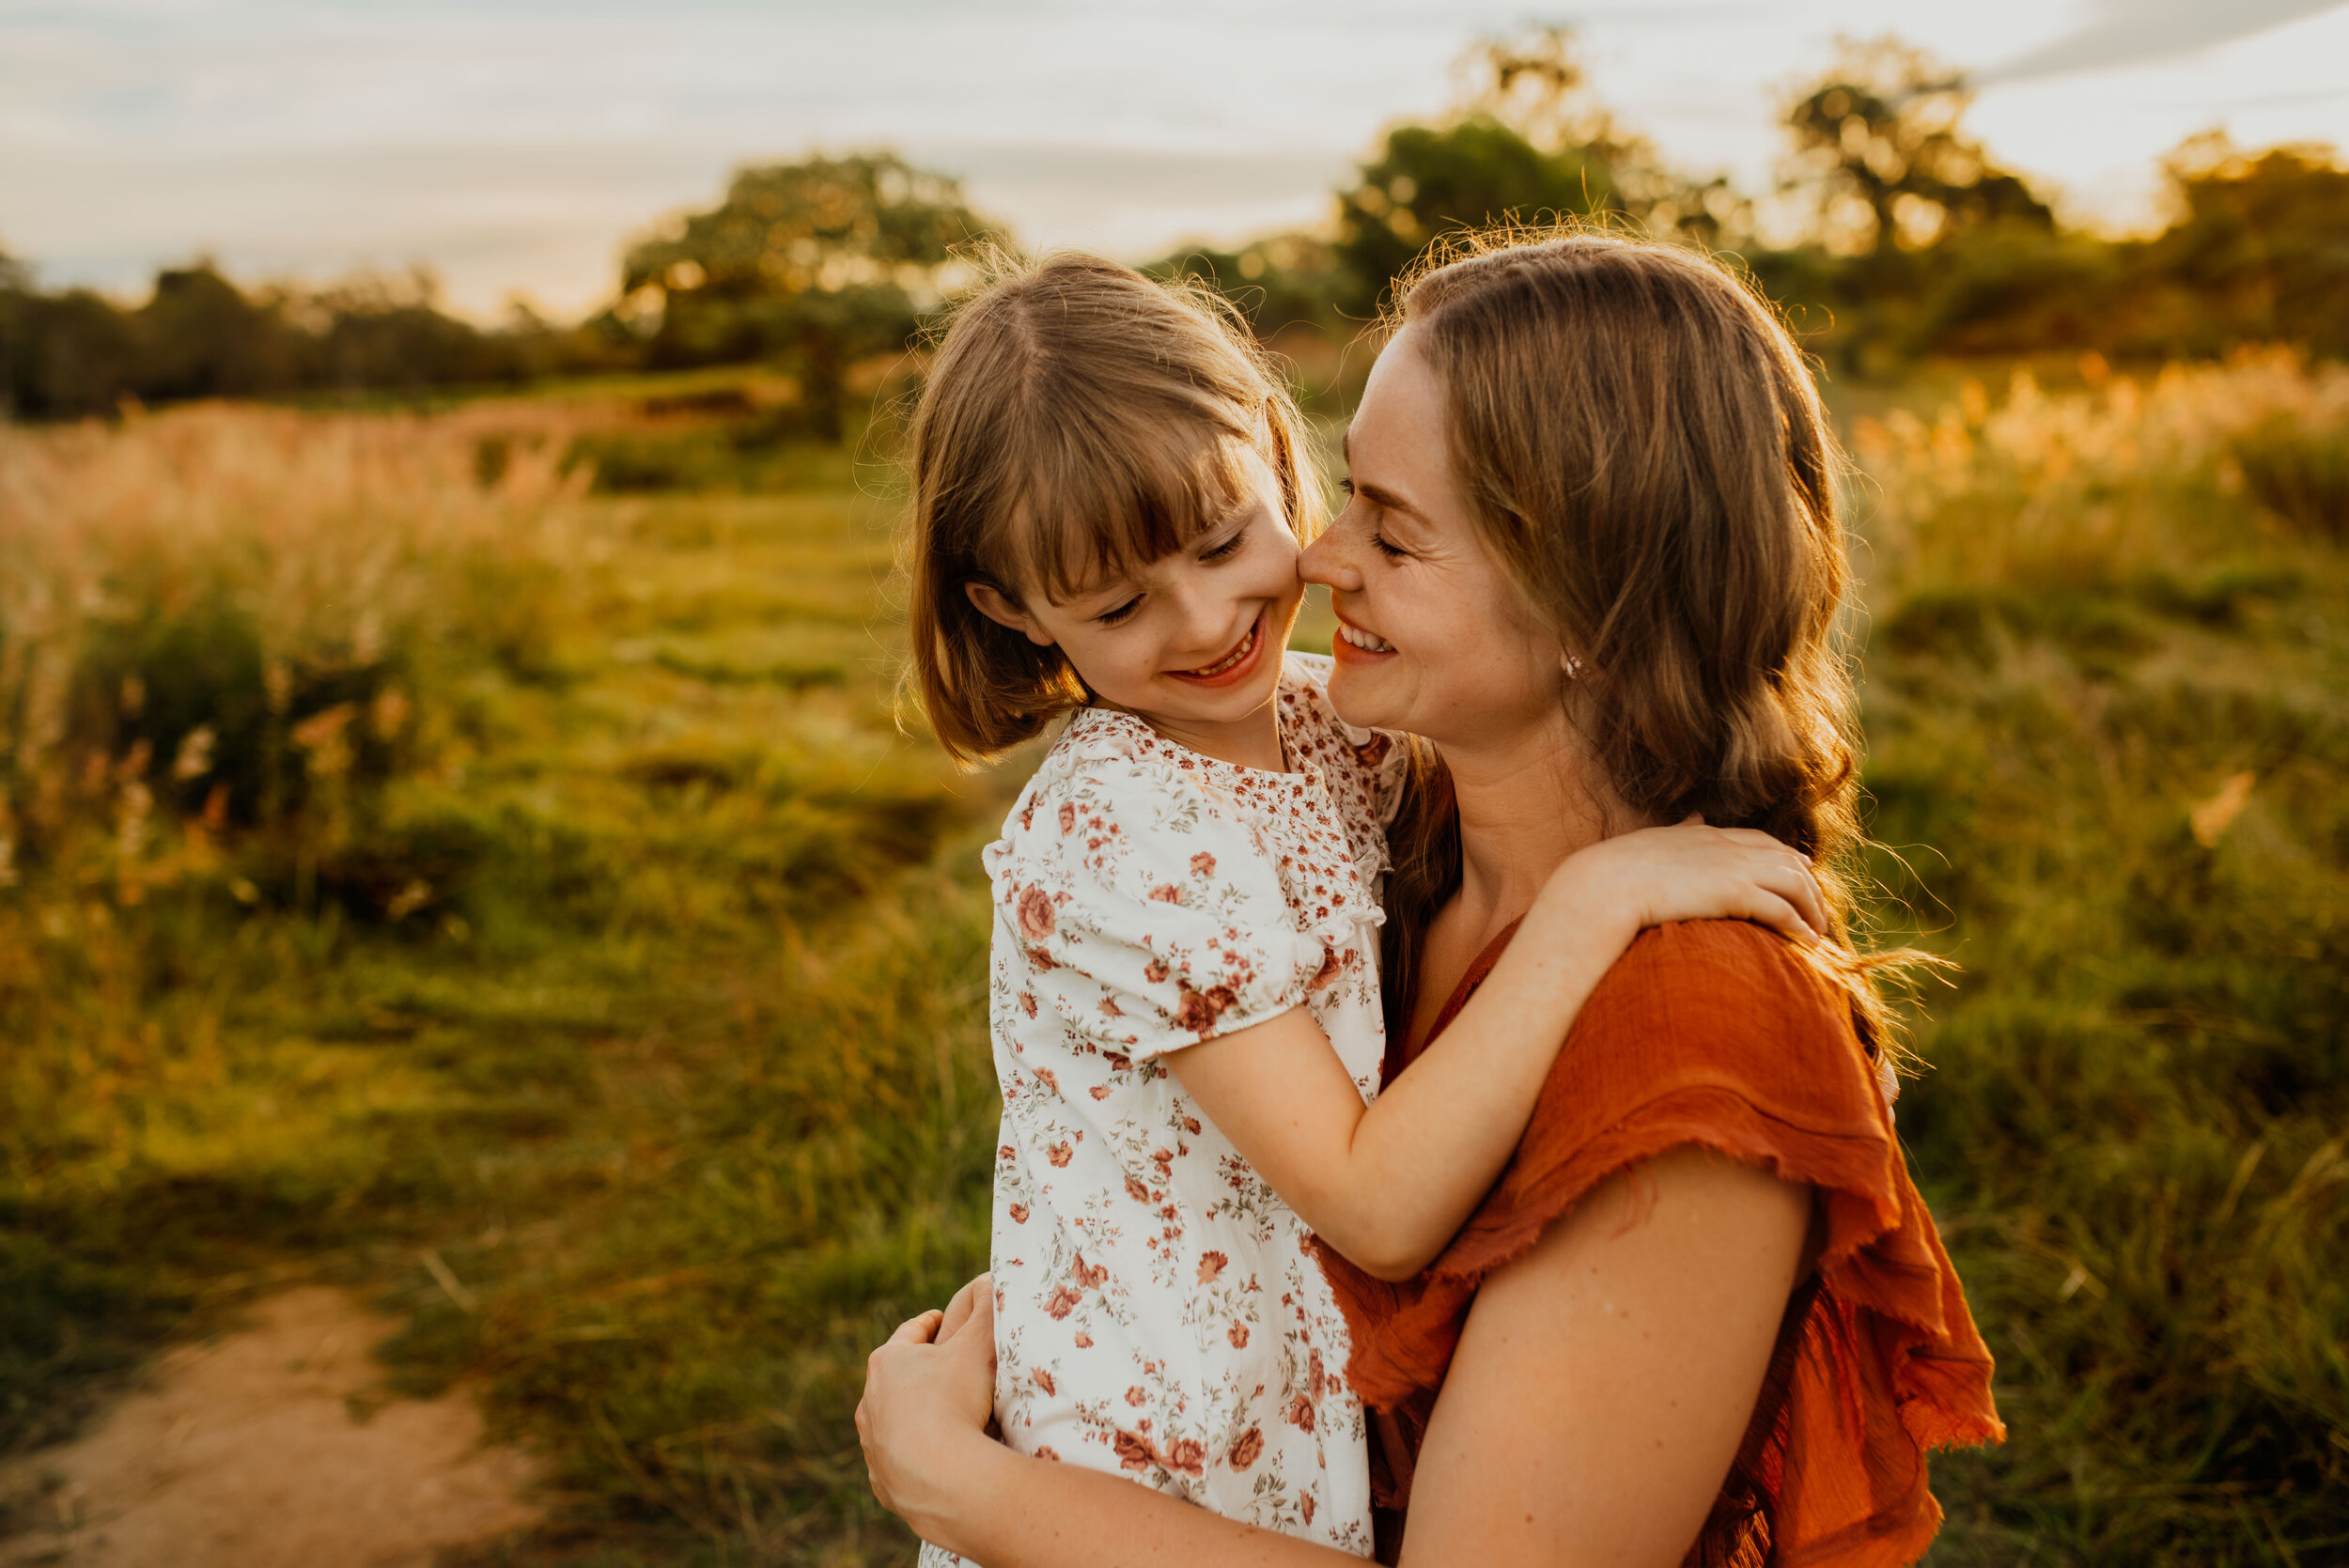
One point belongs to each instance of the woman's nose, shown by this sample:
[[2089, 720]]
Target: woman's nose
[[1327, 560]]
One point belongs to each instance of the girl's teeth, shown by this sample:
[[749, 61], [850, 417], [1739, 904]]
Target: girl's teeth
[[1362, 639], [1234, 655]]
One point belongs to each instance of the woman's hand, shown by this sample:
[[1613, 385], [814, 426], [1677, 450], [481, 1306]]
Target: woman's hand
[[1693, 872], [929, 1394]]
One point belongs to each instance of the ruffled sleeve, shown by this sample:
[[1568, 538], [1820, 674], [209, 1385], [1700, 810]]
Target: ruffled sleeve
[[1716, 1034], [1152, 917]]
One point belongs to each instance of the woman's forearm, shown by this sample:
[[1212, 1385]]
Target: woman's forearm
[[1012, 1510]]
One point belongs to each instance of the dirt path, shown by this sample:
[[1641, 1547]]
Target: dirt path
[[244, 1452]]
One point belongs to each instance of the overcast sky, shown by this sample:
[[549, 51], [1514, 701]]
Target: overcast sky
[[515, 145]]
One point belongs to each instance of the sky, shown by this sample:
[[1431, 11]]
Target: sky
[[515, 145]]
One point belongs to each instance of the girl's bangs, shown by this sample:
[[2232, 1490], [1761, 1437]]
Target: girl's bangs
[[1117, 493]]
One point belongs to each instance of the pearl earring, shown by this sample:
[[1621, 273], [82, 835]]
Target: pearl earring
[[1574, 667]]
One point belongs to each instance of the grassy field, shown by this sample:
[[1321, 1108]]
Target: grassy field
[[514, 898]]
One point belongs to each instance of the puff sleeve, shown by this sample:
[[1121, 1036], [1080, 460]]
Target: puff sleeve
[[1153, 918]]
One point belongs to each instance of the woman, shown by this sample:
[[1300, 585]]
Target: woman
[[1593, 556]]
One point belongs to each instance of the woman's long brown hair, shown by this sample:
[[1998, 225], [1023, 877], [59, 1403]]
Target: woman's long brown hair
[[1646, 456]]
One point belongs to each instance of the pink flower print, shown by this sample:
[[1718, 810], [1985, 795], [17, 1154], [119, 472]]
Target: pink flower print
[[1027, 1004], [1060, 1154], [1045, 1077], [1062, 1301], [1190, 1125], [1110, 1008], [1068, 816], [1136, 1396], [1084, 1340], [1198, 1010], [1035, 913], [1048, 1452], [1099, 1090], [1211, 1265], [1248, 1450], [1043, 1380], [1301, 1412], [1005, 1152], [1019, 1213], [1188, 1455], [1166, 893], [1305, 1501], [1318, 1378], [1120, 1062], [1041, 958], [1134, 1453], [1239, 1336], [1155, 971], [1328, 971], [1203, 864], [1135, 1190]]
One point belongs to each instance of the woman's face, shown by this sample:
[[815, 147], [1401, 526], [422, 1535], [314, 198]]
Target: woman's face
[[1435, 636]]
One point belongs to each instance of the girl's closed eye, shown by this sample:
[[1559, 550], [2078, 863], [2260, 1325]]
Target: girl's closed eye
[[1227, 548], [1122, 613]]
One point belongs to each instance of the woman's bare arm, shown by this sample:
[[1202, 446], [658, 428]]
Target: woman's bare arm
[[1388, 1185], [1591, 1411], [1605, 1380]]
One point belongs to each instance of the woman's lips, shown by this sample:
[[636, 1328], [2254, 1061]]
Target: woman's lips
[[1353, 646], [1235, 666]]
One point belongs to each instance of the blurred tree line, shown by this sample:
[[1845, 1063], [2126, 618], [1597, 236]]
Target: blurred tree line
[[1890, 235], [74, 354]]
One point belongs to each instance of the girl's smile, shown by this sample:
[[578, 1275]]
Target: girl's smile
[[1235, 666]]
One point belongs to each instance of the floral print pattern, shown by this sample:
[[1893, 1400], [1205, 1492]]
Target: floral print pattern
[[1158, 1314]]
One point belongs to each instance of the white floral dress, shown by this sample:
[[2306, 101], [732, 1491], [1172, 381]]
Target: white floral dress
[[1157, 1313]]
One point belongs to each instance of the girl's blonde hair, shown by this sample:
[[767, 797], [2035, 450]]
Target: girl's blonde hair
[[1079, 420]]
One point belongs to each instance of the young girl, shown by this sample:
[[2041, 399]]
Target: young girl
[[1110, 493]]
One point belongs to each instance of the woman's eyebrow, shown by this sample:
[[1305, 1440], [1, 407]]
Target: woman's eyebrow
[[1378, 494], [1388, 499]]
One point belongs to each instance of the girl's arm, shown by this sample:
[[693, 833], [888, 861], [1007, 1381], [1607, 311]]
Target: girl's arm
[[1389, 1184], [1590, 1415]]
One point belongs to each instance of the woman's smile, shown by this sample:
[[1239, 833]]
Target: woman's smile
[[1353, 646]]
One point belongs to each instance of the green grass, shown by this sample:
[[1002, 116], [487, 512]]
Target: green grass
[[2134, 1126], [678, 1070], [635, 976]]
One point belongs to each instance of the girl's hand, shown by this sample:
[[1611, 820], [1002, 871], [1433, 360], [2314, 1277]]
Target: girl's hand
[[1693, 872], [929, 1394]]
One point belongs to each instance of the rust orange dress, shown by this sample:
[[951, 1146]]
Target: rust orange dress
[[1715, 1033]]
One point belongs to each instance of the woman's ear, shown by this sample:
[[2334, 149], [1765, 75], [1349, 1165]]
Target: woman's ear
[[1002, 609]]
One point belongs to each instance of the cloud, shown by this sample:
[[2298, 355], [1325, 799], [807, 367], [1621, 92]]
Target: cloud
[[2132, 32]]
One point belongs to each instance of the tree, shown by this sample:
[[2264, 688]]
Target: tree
[[2260, 250], [821, 261], [1529, 143], [1879, 159]]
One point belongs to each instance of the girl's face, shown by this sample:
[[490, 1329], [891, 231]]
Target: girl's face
[[1435, 638], [1192, 642]]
